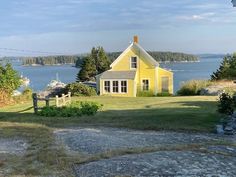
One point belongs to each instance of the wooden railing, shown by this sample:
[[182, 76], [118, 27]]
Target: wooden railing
[[60, 101], [63, 100], [36, 100]]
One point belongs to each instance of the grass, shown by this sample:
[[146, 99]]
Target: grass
[[153, 113], [46, 158], [42, 158]]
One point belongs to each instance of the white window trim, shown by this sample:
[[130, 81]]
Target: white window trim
[[126, 87], [104, 90], [119, 86], [130, 61], [148, 84]]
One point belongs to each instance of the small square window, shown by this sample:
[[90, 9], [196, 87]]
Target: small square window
[[133, 62]]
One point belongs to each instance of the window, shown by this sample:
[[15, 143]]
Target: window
[[145, 85], [133, 63], [107, 86], [123, 86], [115, 87], [165, 84]]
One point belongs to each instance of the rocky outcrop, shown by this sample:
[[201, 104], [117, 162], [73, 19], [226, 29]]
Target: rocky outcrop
[[218, 87], [229, 127], [213, 90]]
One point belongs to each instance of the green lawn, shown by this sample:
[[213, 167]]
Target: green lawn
[[154, 113]]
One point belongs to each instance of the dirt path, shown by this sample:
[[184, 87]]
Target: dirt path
[[173, 154]]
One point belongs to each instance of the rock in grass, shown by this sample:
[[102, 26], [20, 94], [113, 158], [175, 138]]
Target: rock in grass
[[234, 114], [229, 130], [219, 129]]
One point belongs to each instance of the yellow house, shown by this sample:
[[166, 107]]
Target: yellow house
[[135, 71]]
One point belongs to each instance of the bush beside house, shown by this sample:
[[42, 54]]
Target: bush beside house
[[193, 87], [79, 89]]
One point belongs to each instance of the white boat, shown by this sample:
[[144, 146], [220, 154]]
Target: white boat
[[25, 81], [56, 84]]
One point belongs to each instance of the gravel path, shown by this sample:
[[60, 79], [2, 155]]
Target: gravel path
[[12, 146], [211, 160], [98, 140], [164, 164]]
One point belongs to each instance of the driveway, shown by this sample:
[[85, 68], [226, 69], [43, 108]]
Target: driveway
[[172, 154]]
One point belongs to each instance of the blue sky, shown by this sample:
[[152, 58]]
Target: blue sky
[[74, 26]]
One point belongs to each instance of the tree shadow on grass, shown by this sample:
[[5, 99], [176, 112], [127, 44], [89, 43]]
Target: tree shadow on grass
[[189, 115], [24, 110]]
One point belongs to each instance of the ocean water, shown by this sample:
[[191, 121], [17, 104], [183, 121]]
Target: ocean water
[[192, 70], [40, 76]]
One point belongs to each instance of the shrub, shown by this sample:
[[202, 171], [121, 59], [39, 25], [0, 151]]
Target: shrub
[[193, 87], [79, 89], [226, 104], [76, 109], [231, 91], [164, 94], [89, 108], [9, 81], [145, 93], [27, 92]]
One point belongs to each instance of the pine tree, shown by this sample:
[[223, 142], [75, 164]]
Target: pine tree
[[96, 63], [102, 63], [88, 70], [227, 69]]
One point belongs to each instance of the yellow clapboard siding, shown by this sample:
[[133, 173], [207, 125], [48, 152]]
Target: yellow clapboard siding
[[159, 79]]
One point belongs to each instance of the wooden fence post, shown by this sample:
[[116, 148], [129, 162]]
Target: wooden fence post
[[35, 102], [57, 101], [69, 96], [63, 100], [47, 101]]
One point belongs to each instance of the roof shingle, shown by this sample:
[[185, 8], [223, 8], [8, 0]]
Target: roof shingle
[[118, 75]]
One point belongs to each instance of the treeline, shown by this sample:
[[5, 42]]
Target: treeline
[[50, 60], [162, 56], [77, 60], [172, 56]]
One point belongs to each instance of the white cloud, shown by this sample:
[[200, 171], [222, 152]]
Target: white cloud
[[197, 17]]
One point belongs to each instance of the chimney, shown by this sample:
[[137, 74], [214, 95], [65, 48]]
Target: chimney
[[136, 39]]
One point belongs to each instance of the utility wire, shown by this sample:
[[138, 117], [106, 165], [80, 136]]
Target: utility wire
[[30, 51]]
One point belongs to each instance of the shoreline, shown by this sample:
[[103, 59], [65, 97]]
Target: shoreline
[[36, 65], [73, 64]]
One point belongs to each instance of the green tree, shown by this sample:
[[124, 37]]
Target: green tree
[[96, 63], [9, 81], [227, 69], [102, 61], [88, 70]]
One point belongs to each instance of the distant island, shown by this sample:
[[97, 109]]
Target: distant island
[[211, 55], [49, 60], [163, 56], [77, 59]]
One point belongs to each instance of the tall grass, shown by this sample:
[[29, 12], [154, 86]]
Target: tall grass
[[193, 87]]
